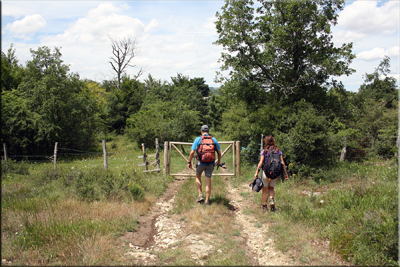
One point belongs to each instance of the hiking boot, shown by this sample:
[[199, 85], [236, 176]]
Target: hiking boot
[[265, 208], [207, 203], [272, 204], [200, 198]]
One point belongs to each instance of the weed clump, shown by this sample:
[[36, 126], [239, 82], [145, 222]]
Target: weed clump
[[137, 192]]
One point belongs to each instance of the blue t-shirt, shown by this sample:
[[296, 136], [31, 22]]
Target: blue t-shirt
[[197, 142]]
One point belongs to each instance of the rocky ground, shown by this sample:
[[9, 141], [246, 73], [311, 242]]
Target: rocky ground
[[158, 230], [265, 252]]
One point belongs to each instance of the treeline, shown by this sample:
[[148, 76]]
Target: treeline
[[283, 69], [43, 102], [282, 81]]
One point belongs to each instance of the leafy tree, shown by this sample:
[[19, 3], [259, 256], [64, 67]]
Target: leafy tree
[[55, 105], [199, 83], [123, 103], [11, 72], [283, 46], [378, 85], [17, 122], [165, 120], [308, 139], [215, 108]]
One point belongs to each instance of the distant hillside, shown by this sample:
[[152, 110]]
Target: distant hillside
[[214, 89]]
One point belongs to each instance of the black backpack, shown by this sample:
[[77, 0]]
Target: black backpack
[[273, 167]]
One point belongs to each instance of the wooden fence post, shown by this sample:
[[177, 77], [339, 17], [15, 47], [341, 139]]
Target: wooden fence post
[[105, 155], [165, 157], [144, 156], [234, 158], [55, 155], [238, 157], [344, 150], [157, 154], [169, 158], [5, 154]]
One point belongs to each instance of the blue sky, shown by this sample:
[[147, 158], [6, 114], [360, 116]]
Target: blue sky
[[175, 36]]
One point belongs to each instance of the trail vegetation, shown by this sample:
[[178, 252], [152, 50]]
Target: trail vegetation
[[280, 76]]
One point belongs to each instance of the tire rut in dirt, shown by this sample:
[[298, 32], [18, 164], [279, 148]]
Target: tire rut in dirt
[[146, 229]]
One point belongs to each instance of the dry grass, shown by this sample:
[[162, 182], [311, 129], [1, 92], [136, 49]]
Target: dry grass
[[83, 247]]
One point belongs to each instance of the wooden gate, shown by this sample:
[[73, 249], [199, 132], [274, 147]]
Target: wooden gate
[[232, 145]]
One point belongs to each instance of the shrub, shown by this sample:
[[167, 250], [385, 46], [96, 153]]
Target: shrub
[[137, 192], [15, 167]]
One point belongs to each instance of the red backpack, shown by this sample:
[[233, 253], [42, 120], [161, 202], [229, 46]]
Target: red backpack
[[206, 149]]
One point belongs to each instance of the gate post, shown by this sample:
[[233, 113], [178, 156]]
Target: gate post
[[55, 155], [238, 157], [169, 158], [234, 158], [105, 155], [165, 157]]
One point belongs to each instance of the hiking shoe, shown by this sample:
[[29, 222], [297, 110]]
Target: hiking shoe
[[200, 198], [272, 204], [265, 208], [207, 203]]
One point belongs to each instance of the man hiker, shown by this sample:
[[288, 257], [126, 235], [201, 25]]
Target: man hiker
[[205, 147]]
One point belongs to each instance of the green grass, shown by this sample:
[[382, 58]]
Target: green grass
[[72, 215], [354, 206], [215, 219]]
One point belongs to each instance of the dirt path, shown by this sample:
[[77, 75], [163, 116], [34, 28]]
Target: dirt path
[[158, 230], [155, 230], [258, 240]]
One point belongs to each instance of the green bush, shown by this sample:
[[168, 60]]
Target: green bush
[[15, 167], [97, 183], [360, 217], [137, 192]]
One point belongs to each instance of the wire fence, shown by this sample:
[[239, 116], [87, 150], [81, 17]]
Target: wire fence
[[68, 154]]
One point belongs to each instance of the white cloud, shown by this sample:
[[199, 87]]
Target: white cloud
[[396, 76], [48, 9], [94, 28], [153, 24], [379, 53], [347, 36], [28, 25], [180, 48], [210, 25], [365, 17], [103, 10]]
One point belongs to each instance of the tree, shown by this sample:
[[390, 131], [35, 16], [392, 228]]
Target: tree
[[165, 120], [11, 72], [50, 105], [123, 103], [379, 85], [124, 50], [199, 83], [283, 46]]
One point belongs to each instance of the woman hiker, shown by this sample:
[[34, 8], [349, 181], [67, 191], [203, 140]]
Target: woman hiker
[[269, 183]]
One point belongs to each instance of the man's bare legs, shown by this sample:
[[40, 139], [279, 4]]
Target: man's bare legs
[[198, 183], [208, 187]]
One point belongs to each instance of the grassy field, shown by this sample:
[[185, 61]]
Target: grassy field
[[72, 215], [353, 207]]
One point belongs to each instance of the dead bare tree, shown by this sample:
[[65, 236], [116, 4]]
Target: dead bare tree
[[124, 50]]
